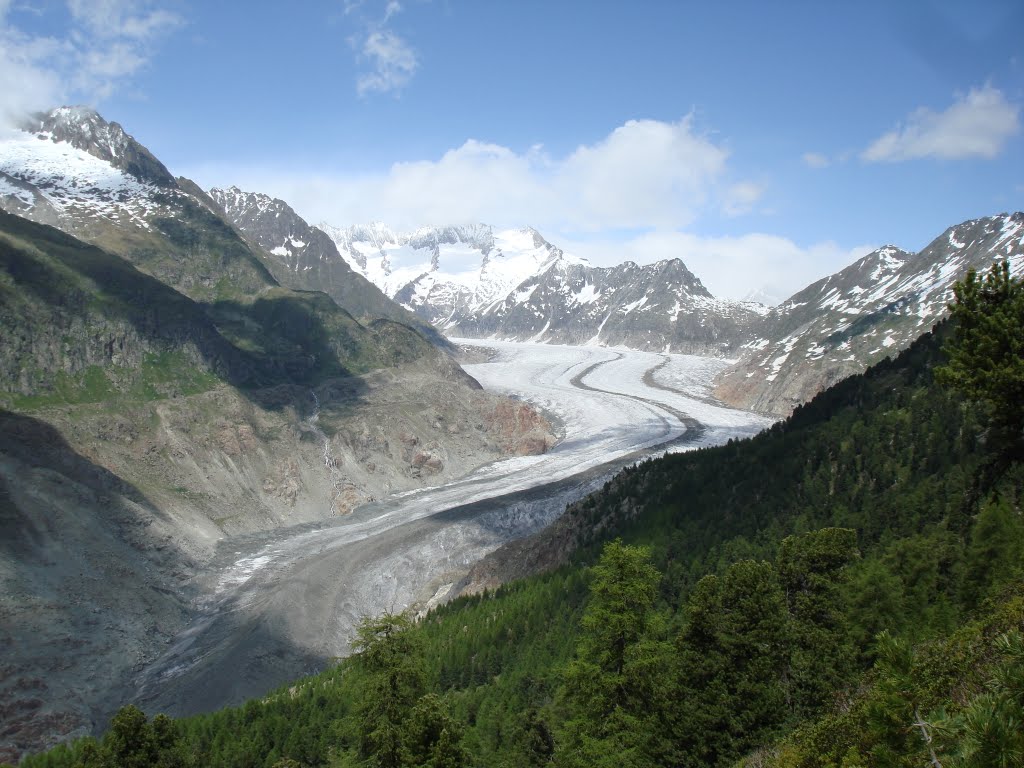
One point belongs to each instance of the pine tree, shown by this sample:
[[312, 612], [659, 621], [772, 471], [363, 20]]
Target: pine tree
[[809, 568], [617, 684], [986, 354], [432, 738], [391, 654]]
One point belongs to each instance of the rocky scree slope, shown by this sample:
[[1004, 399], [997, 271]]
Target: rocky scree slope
[[514, 284], [159, 390], [848, 321]]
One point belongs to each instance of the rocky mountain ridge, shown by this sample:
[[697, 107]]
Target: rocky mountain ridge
[[873, 308], [305, 258], [84, 129], [656, 307]]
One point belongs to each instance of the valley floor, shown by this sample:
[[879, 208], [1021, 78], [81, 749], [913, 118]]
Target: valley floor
[[282, 604]]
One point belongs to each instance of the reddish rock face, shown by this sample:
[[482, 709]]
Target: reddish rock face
[[427, 460], [521, 429], [285, 482], [235, 440], [533, 446]]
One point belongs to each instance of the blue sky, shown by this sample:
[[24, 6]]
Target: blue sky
[[767, 144]]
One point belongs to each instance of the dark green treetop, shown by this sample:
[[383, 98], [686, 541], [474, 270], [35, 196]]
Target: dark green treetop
[[986, 353]]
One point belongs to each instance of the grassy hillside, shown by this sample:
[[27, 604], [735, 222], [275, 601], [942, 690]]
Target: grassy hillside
[[84, 325]]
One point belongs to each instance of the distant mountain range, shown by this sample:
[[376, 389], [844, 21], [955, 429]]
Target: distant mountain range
[[482, 283], [77, 171], [514, 284]]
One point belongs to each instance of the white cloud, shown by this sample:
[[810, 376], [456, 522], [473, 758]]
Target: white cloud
[[104, 44], [815, 160], [113, 19], [975, 125], [26, 82], [645, 174], [393, 63], [730, 267], [740, 198], [389, 60]]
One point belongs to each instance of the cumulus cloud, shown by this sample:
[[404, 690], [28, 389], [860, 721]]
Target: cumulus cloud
[[101, 45], [815, 160], [976, 125], [27, 83], [644, 174]]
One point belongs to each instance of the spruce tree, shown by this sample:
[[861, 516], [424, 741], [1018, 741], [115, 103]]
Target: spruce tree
[[986, 353]]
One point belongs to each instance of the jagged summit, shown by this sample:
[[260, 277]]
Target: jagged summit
[[84, 128], [72, 169], [478, 236]]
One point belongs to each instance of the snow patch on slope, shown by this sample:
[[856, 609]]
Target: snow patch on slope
[[73, 181]]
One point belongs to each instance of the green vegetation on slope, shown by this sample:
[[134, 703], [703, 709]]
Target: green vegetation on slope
[[842, 590], [83, 325], [986, 359]]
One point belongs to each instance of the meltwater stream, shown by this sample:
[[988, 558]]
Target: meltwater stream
[[283, 604]]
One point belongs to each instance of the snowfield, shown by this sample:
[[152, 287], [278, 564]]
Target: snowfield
[[282, 605], [71, 180]]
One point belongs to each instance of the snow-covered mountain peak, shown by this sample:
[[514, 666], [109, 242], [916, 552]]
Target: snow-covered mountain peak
[[874, 307], [478, 236], [1006, 229], [74, 184], [881, 263], [84, 128], [234, 199], [274, 225], [77, 118], [376, 232]]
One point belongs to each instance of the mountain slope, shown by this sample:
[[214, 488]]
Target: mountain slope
[[873, 308], [305, 258], [657, 307], [160, 391], [90, 179], [513, 284]]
